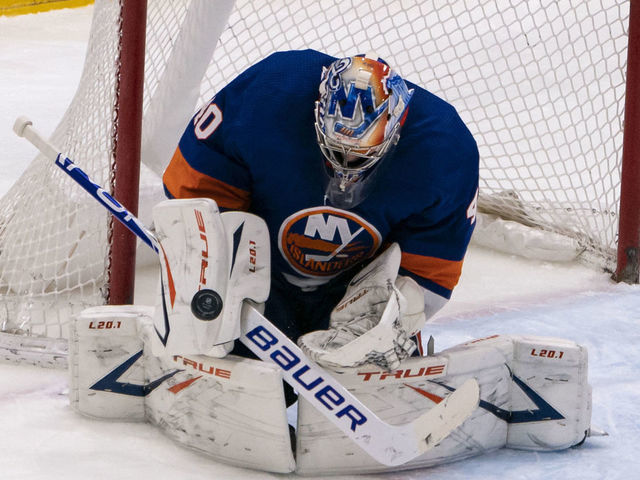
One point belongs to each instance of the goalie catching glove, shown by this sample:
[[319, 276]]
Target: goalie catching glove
[[374, 321]]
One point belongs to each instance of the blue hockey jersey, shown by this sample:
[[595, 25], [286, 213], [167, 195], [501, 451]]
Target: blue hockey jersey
[[254, 148]]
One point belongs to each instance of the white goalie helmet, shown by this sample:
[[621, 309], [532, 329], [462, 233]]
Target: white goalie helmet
[[358, 116]]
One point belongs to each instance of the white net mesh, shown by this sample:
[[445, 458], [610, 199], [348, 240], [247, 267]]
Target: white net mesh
[[53, 242], [540, 83]]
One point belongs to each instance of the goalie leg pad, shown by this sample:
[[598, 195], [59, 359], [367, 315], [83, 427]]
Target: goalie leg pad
[[552, 374], [106, 373], [231, 408], [534, 395], [550, 396], [401, 395]]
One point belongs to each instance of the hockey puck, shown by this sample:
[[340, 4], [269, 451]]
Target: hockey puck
[[206, 304]]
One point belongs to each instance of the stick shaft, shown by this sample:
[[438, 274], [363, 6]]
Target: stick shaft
[[23, 128], [127, 218]]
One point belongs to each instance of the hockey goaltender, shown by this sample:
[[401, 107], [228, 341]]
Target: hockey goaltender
[[256, 291]]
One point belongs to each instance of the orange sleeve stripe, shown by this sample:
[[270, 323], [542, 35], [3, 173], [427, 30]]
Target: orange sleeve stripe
[[183, 181], [445, 273]]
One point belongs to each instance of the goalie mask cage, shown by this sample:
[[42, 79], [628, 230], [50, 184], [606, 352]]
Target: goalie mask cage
[[541, 85]]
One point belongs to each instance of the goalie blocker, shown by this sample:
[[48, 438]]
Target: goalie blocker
[[534, 396], [223, 258]]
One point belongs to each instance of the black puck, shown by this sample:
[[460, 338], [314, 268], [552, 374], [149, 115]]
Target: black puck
[[206, 304]]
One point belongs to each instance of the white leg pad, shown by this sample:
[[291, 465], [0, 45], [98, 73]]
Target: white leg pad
[[555, 370], [402, 395], [231, 408], [102, 340], [534, 395]]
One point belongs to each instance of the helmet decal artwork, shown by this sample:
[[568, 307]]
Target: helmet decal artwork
[[362, 105]]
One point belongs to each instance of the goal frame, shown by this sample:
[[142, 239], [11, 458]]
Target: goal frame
[[627, 268], [128, 144]]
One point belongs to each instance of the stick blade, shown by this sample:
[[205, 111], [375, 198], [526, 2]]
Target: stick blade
[[436, 424], [421, 435]]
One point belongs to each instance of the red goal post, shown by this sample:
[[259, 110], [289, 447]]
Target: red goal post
[[541, 85], [127, 140], [628, 249]]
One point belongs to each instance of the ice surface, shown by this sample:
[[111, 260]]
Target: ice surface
[[42, 439]]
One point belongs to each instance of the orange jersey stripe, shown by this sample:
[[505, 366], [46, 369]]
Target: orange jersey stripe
[[183, 181], [445, 273]]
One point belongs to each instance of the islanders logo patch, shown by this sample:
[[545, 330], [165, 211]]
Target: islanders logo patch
[[324, 241]]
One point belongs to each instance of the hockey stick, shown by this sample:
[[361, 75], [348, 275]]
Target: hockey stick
[[388, 444]]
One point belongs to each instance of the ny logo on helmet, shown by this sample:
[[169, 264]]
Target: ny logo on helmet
[[357, 105], [350, 97]]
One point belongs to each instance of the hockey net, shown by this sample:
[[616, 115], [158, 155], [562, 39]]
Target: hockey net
[[541, 85]]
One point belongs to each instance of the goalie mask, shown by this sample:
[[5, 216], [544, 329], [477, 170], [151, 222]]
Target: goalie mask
[[362, 105]]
